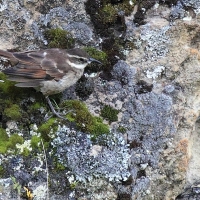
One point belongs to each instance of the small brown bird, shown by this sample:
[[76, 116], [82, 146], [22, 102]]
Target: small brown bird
[[50, 71]]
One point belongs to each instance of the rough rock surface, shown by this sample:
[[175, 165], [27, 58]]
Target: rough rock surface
[[156, 90]]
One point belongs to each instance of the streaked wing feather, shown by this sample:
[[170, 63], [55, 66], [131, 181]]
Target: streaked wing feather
[[21, 79], [25, 58], [29, 84], [31, 73], [41, 64]]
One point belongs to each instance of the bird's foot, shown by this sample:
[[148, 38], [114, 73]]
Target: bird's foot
[[57, 114]]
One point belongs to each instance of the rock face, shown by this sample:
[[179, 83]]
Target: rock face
[[168, 57], [152, 151]]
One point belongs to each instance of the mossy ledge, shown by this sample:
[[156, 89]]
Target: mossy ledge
[[84, 120]]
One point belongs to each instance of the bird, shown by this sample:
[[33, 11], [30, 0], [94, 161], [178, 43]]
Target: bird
[[49, 71]]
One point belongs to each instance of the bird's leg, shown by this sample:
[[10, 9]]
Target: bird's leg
[[52, 108]]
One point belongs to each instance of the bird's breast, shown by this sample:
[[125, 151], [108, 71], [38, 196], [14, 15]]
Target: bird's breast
[[53, 86]]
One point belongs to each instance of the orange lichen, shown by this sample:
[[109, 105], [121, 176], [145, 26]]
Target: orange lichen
[[183, 160], [183, 163], [195, 53], [183, 146]]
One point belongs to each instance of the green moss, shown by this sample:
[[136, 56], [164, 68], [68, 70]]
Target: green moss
[[5, 86], [36, 106], [99, 127], [13, 140], [2, 171], [3, 140], [26, 152], [59, 38], [9, 142], [9, 105], [3, 135], [47, 128], [13, 112], [96, 54], [35, 142], [83, 118], [8, 89], [73, 185], [109, 113], [108, 13], [126, 7], [59, 167], [121, 129]]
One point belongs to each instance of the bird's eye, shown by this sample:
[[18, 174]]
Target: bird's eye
[[81, 60]]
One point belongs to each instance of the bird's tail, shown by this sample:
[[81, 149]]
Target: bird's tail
[[9, 56]]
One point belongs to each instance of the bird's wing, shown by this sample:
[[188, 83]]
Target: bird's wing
[[38, 65]]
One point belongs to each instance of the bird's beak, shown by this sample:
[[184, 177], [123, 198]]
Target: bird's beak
[[94, 60]]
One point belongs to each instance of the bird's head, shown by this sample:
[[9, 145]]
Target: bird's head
[[79, 59]]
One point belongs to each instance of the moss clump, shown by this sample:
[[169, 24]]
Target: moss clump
[[121, 129], [59, 38], [35, 142], [6, 86], [8, 89], [73, 185], [36, 106], [13, 140], [2, 171], [108, 13], [59, 166], [9, 142], [13, 112], [96, 54], [109, 113], [26, 152], [3, 140], [126, 7], [11, 105], [47, 129], [83, 118]]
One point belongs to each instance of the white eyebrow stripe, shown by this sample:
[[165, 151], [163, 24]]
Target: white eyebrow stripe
[[61, 71], [74, 56], [45, 53], [77, 66]]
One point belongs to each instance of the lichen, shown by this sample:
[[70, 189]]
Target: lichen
[[73, 150], [59, 38]]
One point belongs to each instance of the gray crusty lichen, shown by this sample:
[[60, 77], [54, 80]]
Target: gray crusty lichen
[[75, 151]]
